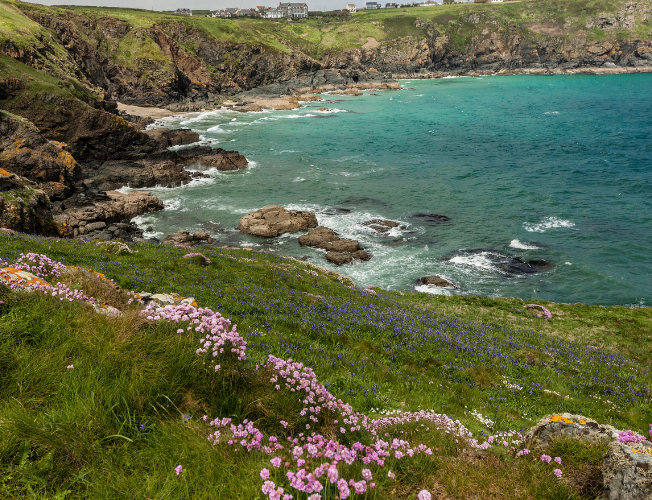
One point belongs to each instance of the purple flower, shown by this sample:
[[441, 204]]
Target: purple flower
[[178, 469], [264, 474], [557, 472], [546, 458], [558, 460]]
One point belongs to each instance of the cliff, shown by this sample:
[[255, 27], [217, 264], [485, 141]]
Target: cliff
[[151, 58]]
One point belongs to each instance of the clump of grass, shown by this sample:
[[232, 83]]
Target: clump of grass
[[96, 285]]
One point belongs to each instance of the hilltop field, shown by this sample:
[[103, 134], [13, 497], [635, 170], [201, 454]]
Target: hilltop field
[[107, 406]]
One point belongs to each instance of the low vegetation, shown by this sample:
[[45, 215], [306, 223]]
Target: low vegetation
[[95, 405]]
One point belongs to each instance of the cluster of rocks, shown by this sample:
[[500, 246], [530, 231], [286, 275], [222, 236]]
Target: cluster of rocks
[[272, 220], [436, 281], [627, 466], [184, 238], [338, 250]]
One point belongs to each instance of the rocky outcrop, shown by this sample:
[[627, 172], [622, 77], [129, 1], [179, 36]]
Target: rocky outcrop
[[184, 238], [338, 250], [167, 138], [382, 226], [24, 151], [627, 464], [102, 211], [24, 207], [273, 220], [435, 281]]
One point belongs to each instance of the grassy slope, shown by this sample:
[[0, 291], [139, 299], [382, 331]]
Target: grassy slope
[[393, 351]]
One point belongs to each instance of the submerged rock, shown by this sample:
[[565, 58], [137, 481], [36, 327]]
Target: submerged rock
[[382, 226], [431, 218], [273, 220], [497, 261]]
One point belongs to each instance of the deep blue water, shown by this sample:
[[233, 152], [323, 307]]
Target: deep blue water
[[557, 168]]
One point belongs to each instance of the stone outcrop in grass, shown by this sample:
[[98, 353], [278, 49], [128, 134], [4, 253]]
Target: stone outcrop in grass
[[627, 465], [273, 220], [24, 207]]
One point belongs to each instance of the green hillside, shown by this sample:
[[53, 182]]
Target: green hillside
[[118, 423]]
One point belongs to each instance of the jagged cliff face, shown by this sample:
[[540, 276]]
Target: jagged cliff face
[[175, 60]]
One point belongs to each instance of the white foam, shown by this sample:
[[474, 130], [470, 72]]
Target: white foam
[[299, 179], [331, 111], [172, 204], [479, 260], [307, 115], [218, 130], [551, 113], [568, 263], [433, 290], [522, 246], [547, 223]]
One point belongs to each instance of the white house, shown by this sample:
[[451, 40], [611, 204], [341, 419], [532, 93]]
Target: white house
[[390, 5], [220, 13], [185, 12], [372, 5], [351, 8], [293, 9]]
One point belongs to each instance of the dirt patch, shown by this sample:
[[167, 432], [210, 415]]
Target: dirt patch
[[547, 29], [371, 43]]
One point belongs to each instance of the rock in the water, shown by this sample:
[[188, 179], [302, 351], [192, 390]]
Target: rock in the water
[[184, 238], [497, 261], [318, 237], [626, 466], [431, 218], [339, 250], [382, 226], [273, 220], [436, 281], [167, 138]]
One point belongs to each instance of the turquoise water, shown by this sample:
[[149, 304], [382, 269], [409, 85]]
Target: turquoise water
[[557, 168]]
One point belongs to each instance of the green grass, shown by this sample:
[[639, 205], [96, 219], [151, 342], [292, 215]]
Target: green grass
[[374, 352]]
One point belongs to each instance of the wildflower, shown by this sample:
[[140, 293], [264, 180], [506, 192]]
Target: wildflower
[[424, 495], [366, 474], [178, 469], [557, 472], [558, 460], [391, 475], [264, 474], [546, 458], [276, 462], [70, 367]]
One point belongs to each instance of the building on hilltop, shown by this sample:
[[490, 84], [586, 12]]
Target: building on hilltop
[[372, 5], [221, 13], [431, 3], [391, 6], [293, 9], [185, 12], [273, 13], [351, 8]]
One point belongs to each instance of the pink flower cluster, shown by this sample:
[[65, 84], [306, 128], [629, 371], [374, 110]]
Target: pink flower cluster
[[217, 328], [631, 437], [39, 265]]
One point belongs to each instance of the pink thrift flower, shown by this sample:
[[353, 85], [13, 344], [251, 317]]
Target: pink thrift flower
[[557, 472], [558, 460], [276, 462], [546, 458], [70, 367], [264, 474], [391, 475], [178, 469], [366, 474], [424, 495]]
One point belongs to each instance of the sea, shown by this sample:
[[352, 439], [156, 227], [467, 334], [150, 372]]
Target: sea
[[537, 187]]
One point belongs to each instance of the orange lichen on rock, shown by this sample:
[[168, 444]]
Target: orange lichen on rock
[[559, 418], [11, 274]]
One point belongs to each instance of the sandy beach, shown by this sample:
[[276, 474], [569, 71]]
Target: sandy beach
[[145, 112]]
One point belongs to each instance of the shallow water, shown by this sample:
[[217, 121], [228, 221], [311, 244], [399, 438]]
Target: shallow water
[[532, 167]]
